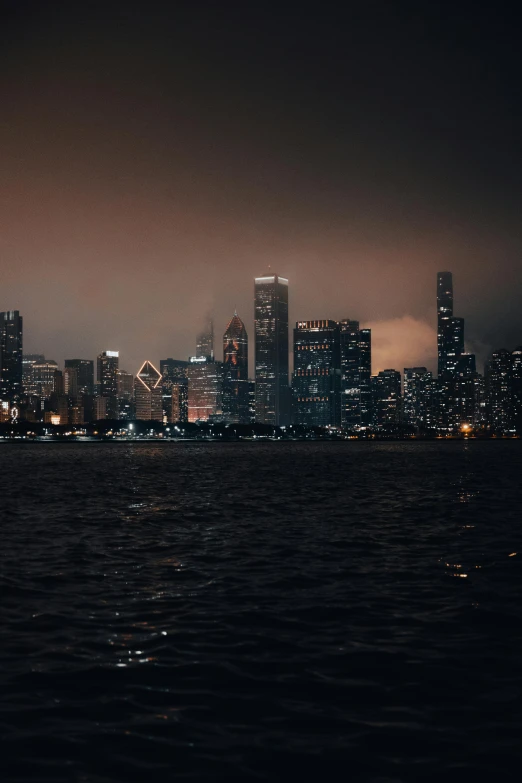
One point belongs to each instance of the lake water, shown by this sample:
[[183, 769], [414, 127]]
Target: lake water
[[276, 611]]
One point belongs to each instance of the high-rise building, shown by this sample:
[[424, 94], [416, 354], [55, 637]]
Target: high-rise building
[[418, 397], [387, 400], [205, 388], [356, 370], [516, 388], [85, 374], [271, 350], [125, 395], [174, 384], [450, 330], [499, 404], [28, 362], [205, 341], [11, 356], [235, 372], [108, 365], [317, 374], [148, 393]]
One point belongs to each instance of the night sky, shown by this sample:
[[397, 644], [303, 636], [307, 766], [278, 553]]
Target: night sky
[[153, 162]]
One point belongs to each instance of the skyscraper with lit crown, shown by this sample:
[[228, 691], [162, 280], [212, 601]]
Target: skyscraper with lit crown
[[148, 393], [235, 372]]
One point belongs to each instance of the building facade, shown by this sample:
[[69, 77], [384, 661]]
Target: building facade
[[317, 374], [205, 389], [84, 372], [271, 349], [11, 356], [387, 399], [108, 365], [235, 372], [148, 394], [174, 373], [418, 398], [356, 371]]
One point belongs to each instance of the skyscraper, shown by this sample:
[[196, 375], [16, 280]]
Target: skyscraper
[[271, 349], [450, 330], [205, 388], [108, 364], [11, 355], [317, 374], [205, 341], [356, 370], [85, 374], [148, 393], [28, 362], [235, 372]]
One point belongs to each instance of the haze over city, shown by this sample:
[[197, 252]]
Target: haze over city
[[154, 163]]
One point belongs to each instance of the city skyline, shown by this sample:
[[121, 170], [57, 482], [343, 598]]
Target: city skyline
[[400, 341], [332, 383]]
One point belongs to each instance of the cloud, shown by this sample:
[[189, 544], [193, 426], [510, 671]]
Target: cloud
[[402, 342]]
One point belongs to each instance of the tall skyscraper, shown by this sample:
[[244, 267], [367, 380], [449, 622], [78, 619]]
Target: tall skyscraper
[[108, 365], [85, 374], [317, 374], [235, 372], [11, 356], [205, 388], [271, 349], [450, 330], [148, 393], [205, 341], [356, 370]]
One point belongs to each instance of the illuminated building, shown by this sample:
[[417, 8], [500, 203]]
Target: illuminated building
[[174, 385], [11, 355], [450, 330], [317, 374], [500, 413], [205, 388], [516, 388], [84, 372], [125, 382], [43, 374], [418, 397], [235, 372], [356, 370], [251, 401], [386, 393], [148, 393], [271, 350], [205, 341], [28, 362], [70, 381], [108, 365]]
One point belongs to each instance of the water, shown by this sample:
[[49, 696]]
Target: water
[[279, 611]]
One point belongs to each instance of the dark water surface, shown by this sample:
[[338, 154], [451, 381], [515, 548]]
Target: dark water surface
[[279, 611]]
